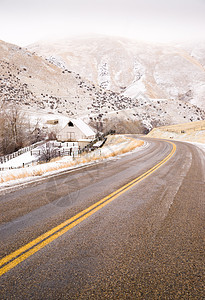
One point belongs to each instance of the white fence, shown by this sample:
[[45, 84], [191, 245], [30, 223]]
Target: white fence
[[36, 150], [5, 158]]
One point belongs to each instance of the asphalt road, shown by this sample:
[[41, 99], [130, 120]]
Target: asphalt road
[[146, 243]]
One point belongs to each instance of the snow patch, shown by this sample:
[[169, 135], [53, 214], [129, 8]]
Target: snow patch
[[138, 69], [57, 61], [103, 74], [135, 89], [199, 145]]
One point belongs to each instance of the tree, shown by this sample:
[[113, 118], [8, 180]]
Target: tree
[[47, 152], [120, 126], [13, 130], [16, 131]]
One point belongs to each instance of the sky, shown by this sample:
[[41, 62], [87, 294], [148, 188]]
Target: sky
[[24, 22]]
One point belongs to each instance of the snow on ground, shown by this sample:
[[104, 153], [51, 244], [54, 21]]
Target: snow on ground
[[31, 157], [193, 132], [43, 117], [103, 74], [25, 158], [57, 61], [112, 150], [199, 145], [135, 89]]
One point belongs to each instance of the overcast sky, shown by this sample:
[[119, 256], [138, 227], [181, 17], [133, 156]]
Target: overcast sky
[[26, 21]]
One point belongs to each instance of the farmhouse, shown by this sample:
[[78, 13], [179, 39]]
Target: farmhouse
[[75, 130]]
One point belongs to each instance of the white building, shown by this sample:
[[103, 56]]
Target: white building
[[75, 130]]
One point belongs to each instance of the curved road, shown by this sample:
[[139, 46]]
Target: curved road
[[145, 241]]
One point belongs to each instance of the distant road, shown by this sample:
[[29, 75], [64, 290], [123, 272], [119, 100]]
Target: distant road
[[129, 228]]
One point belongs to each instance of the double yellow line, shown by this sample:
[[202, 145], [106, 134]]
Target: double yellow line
[[13, 259]]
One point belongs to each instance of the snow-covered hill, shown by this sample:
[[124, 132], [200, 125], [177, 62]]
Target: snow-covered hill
[[41, 86], [164, 71], [36, 83], [192, 132]]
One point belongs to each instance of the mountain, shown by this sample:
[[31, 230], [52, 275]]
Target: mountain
[[36, 83], [158, 71], [40, 85], [31, 81]]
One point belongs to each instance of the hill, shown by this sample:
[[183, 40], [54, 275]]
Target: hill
[[37, 84], [44, 86], [158, 71], [194, 132]]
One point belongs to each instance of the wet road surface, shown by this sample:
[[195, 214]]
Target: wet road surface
[[148, 243]]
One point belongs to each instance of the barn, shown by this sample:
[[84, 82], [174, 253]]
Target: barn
[[75, 130]]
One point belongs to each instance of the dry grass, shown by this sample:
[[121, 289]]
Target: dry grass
[[130, 145], [55, 159], [115, 139], [192, 132], [187, 127], [10, 177]]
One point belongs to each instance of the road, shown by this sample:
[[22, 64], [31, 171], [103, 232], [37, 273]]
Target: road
[[128, 228]]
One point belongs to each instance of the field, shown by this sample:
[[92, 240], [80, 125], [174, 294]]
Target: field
[[192, 132]]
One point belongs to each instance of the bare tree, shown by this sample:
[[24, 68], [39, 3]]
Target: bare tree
[[47, 152], [16, 131], [13, 129], [119, 126]]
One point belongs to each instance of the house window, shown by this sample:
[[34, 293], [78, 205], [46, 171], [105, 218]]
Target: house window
[[70, 124]]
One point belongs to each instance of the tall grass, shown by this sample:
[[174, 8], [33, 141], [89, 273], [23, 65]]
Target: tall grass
[[129, 145]]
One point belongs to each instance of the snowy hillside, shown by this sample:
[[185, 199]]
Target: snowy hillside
[[168, 71], [49, 86], [40, 84]]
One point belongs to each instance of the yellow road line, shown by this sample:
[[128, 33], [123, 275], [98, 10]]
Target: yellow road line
[[13, 259]]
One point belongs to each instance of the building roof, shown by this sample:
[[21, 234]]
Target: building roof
[[84, 128]]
